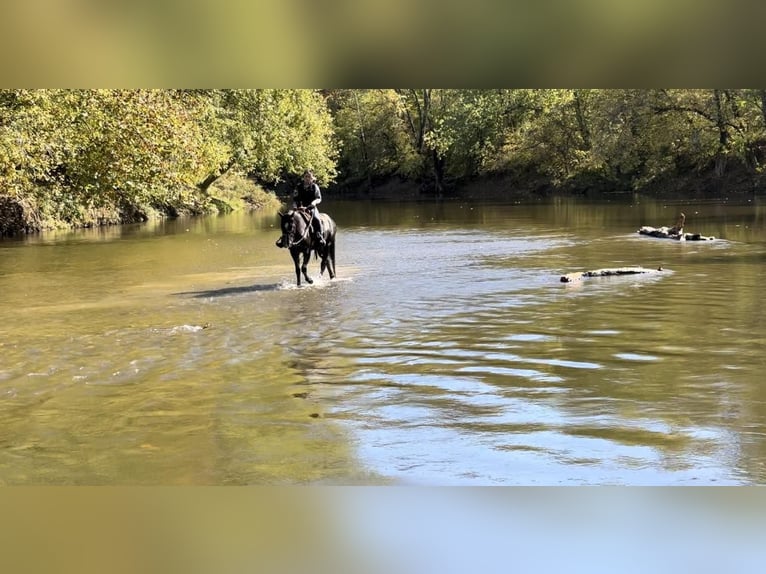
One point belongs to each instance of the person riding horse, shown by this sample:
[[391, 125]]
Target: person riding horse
[[308, 197]]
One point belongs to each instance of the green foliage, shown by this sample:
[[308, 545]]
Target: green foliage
[[372, 135], [270, 134], [66, 154], [233, 192], [620, 138], [417, 134], [134, 146]]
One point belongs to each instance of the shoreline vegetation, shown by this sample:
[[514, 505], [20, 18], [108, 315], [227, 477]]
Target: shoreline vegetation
[[84, 158], [507, 187], [231, 193]]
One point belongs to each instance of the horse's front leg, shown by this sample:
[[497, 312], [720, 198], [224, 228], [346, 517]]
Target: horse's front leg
[[296, 255], [304, 267]]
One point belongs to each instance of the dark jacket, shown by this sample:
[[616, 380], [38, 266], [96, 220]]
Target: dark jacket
[[304, 195]]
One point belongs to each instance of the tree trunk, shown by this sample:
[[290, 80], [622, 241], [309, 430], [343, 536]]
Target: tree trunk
[[723, 135], [581, 123], [763, 105], [419, 126], [423, 109], [363, 139], [438, 163], [210, 179]]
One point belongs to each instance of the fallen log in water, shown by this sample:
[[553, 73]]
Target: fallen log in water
[[671, 233], [569, 277]]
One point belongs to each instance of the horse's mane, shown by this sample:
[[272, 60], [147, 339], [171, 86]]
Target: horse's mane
[[305, 215]]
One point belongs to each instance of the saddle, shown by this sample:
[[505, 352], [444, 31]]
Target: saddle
[[306, 214]]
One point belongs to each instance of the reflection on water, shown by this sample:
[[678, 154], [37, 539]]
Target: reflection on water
[[447, 351]]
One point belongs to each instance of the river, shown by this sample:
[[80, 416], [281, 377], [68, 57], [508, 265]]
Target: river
[[446, 352]]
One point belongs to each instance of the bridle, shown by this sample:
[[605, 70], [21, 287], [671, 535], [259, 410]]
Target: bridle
[[304, 236]]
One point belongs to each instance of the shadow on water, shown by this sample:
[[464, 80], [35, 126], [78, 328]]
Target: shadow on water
[[226, 291], [319, 282]]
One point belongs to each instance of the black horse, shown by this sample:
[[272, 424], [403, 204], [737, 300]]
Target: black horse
[[298, 238]]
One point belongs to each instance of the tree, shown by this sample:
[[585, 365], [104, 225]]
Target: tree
[[134, 146], [69, 150], [455, 132], [270, 134], [724, 124]]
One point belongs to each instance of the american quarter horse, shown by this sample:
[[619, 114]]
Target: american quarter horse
[[298, 238]]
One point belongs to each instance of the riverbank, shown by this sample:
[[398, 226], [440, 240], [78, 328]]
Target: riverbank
[[527, 186], [237, 193], [24, 215]]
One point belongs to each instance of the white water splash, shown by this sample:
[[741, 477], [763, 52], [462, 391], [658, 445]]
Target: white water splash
[[187, 329]]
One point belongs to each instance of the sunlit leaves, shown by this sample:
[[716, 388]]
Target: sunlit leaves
[[104, 146], [80, 149], [372, 132], [134, 144], [271, 133]]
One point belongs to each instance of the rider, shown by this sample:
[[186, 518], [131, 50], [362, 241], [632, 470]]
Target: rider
[[308, 196]]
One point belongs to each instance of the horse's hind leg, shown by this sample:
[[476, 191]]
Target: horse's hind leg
[[326, 263], [331, 260]]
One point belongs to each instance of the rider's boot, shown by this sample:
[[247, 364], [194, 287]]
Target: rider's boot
[[319, 235]]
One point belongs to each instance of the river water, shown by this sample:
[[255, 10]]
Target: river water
[[446, 352]]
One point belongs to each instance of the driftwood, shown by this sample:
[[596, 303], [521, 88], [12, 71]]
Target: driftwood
[[676, 232], [569, 277], [671, 233]]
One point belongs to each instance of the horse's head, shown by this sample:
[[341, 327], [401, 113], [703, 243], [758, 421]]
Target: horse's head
[[285, 227], [292, 227]]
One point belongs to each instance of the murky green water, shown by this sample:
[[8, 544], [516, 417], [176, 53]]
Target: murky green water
[[446, 352]]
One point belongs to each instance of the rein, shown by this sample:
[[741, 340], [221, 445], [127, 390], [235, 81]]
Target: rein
[[303, 237]]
